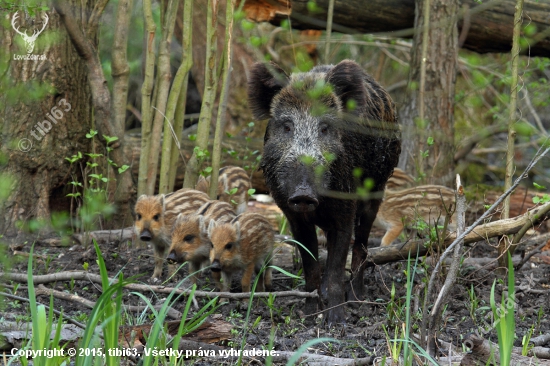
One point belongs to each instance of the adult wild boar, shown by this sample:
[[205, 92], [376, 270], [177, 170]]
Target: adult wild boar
[[329, 130]]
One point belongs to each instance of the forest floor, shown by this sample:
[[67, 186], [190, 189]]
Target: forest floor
[[369, 326]]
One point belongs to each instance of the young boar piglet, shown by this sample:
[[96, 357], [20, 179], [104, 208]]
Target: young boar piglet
[[330, 131], [190, 241], [399, 180], [244, 244], [404, 208], [233, 186], [155, 215]]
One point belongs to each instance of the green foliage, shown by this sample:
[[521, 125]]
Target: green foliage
[[42, 326], [505, 322], [90, 196], [249, 159]]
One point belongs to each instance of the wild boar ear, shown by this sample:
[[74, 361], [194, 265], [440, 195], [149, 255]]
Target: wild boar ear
[[163, 203], [142, 197], [348, 81], [237, 226], [266, 80], [202, 185], [201, 224], [211, 227]]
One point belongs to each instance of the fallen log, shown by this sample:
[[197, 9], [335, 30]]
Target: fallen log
[[484, 352], [42, 290], [86, 276], [214, 329], [487, 26]]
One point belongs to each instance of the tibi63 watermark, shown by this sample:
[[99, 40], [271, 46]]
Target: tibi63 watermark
[[40, 129]]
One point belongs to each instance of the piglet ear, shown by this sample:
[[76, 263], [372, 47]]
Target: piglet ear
[[142, 197], [163, 203], [202, 185], [211, 227], [266, 80], [348, 81], [237, 226]]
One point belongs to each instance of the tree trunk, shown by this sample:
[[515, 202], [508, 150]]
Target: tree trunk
[[487, 25], [237, 111], [427, 115], [33, 144]]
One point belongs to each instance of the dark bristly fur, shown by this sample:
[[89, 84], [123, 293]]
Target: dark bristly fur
[[155, 216], [307, 135]]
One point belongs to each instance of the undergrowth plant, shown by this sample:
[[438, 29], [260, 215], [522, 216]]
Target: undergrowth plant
[[90, 195], [250, 159], [403, 350], [158, 337], [505, 323], [107, 314], [51, 352]]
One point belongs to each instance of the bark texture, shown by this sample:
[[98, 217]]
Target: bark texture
[[35, 160], [429, 108]]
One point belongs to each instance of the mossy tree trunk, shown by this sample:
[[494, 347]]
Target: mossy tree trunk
[[29, 89]]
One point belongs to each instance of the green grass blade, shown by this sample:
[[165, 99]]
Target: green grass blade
[[303, 348]]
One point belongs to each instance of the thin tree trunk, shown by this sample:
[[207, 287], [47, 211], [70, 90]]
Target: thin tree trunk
[[187, 59], [163, 87], [237, 114], [146, 92], [121, 69], [504, 245], [208, 96], [427, 116], [226, 70], [171, 130]]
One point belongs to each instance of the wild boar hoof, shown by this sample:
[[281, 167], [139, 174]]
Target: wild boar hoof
[[336, 317]]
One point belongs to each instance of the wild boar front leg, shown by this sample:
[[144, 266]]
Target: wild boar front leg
[[304, 233]]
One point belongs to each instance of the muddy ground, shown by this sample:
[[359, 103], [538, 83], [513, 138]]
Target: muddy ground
[[363, 335]]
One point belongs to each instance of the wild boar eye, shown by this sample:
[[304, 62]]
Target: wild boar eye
[[211, 245], [189, 238], [228, 246], [287, 128], [324, 130], [156, 217], [138, 216]]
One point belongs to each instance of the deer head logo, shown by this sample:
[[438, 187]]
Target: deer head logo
[[29, 40]]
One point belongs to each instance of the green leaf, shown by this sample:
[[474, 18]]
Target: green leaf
[[110, 139], [91, 134], [251, 191], [123, 168]]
